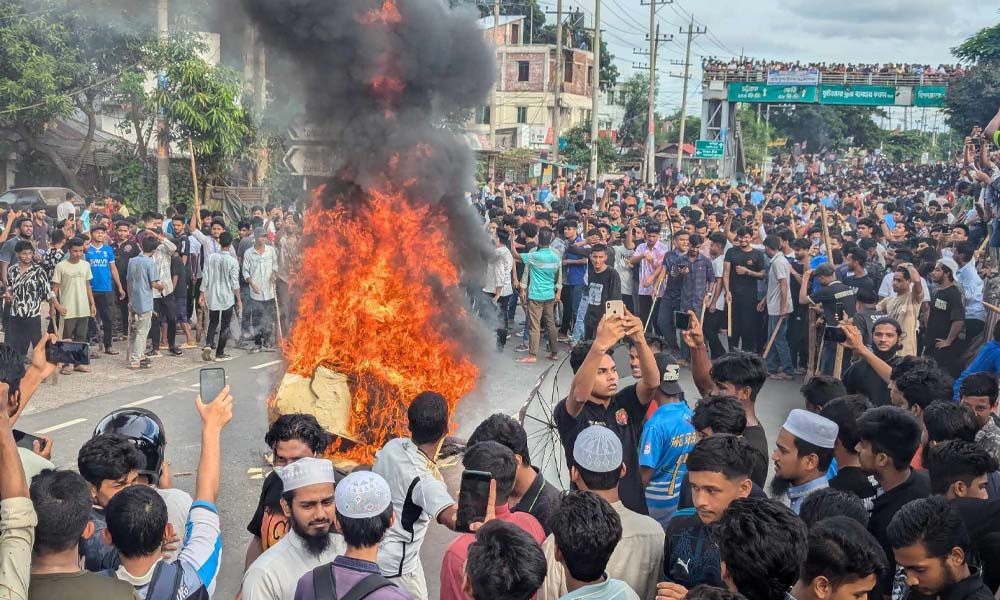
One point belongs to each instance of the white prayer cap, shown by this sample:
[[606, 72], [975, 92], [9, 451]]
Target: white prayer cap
[[812, 428], [305, 471], [598, 450], [362, 494]]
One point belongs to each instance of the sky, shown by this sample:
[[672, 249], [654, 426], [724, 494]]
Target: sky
[[859, 31]]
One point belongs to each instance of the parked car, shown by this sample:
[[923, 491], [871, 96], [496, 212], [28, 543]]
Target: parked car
[[24, 198]]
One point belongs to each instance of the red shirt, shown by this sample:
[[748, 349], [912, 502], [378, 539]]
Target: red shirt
[[453, 564]]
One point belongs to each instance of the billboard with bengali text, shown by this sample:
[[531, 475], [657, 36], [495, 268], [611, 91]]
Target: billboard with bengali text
[[760, 92], [793, 77], [858, 95]]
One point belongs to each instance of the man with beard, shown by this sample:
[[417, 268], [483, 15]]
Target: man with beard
[[308, 502], [870, 375], [802, 455], [947, 318], [931, 543]]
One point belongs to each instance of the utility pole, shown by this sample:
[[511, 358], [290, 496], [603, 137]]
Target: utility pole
[[654, 39], [595, 98], [162, 137], [493, 94], [691, 32], [558, 87]]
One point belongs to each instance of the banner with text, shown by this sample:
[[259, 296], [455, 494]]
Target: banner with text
[[759, 92], [929, 95], [793, 77], [865, 95]]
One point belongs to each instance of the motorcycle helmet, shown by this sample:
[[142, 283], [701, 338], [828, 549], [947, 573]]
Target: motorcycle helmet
[[144, 429]]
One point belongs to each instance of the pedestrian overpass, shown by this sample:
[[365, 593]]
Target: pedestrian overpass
[[722, 89]]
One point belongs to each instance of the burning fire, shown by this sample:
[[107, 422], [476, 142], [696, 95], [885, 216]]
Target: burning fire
[[370, 310]]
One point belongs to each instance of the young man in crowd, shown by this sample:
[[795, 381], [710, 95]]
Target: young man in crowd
[[836, 301], [828, 503], [931, 544], [498, 460], [778, 304], [914, 384], [138, 527], [648, 257], [27, 288], [308, 502], [73, 298], [889, 438], [260, 265], [532, 493], [843, 560], [594, 397], [946, 319], [820, 389], [290, 438], [164, 315], [845, 411], [744, 267], [126, 248], [603, 284], [504, 562], [959, 469], [638, 558], [803, 453], [143, 277], [363, 512], [904, 304], [541, 287], [17, 514], [586, 531], [220, 295], [978, 391], [22, 230], [666, 439], [105, 284]]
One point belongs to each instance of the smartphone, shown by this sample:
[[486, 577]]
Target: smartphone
[[615, 307], [682, 320], [838, 310], [67, 353], [26, 440], [473, 496], [834, 334], [213, 379]]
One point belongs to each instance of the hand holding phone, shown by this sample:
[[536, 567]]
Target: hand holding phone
[[473, 499], [615, 308], [67, 353], [212, 381], [682, 320]]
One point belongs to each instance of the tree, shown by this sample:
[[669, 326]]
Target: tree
[[756, 135], [972, 99], [635, 99], [668, 127], [829, 126], [577, 151], [904, 146]]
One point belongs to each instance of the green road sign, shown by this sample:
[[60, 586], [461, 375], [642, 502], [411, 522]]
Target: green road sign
[[760, 92], [929, 95], [864, 95], [710, 149]]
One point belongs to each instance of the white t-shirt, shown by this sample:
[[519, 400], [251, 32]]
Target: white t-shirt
[[415, 483], [719, 266], [780, 269], [885, 290], [178, 507]]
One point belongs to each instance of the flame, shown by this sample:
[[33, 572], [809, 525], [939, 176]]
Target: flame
[[370, 310], [388, 14]]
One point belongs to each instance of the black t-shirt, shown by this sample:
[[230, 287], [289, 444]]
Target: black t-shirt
[[946, 306], [624, 415], [755, 436], [794, 284], [858, 283], [601, 287], [854, 481], [539, 501], [124, 253], [177, 268], [982, 520], [690, 556], [883, 508], [685, 499], [753, 260], [861, 378], [269, 522], [829, 296], [864, 320]]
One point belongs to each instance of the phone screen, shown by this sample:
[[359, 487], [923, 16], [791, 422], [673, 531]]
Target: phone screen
[[212, 381], [67, 353], [682, 320], [26, 440], [473, 497], [834, 334]]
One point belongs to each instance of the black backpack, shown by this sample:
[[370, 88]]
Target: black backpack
[[326, 588]]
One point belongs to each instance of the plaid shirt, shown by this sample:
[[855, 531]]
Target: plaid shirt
[[695, 283], [29, 289]]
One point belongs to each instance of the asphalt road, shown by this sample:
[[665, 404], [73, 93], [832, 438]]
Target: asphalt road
[[503, 387]]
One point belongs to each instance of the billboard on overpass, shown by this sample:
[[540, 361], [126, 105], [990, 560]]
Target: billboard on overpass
[[760, 92], [929, 95], [855, 95]]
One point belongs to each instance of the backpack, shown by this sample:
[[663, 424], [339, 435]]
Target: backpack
[[166, 581], [326, 588]]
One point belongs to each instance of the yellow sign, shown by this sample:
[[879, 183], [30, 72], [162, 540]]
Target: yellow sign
[[777, 142]]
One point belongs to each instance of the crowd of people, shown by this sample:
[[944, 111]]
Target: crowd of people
[[885, 479], [746, 64], [162, 282]]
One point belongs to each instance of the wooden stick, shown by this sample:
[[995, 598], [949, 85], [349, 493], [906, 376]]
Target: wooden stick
[[729, 319], [811, 333], [838, 361], [992, 307], [277, 314], [194, 176], [704, 305], [826, 234], [656, 296], [774, 335]]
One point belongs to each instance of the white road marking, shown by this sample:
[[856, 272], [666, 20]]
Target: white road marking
[[194, 386], [140, 402], [60, 426], [265, 365]]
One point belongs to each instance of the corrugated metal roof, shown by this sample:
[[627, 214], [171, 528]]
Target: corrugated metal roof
[[487, 22], [67, 136]]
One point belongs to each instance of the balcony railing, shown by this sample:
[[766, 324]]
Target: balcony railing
[[832, 77]]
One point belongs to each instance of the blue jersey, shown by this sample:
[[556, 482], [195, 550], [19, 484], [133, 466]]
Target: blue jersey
[[666, 440], [101, 260]]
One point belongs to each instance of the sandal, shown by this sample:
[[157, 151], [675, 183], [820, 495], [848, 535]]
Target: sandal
[[82, 369], [67, 370], [111, 352], [526, 359], [553, 356]]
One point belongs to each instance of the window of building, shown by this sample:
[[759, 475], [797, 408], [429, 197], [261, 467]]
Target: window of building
[[568, 66], [611, 97], [523, 70], [515, 34], [590, 75], [522, 114], [483, 115]]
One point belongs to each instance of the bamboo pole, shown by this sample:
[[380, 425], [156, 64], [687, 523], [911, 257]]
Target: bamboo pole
[[838, 361], [826, 233], [774, 335]]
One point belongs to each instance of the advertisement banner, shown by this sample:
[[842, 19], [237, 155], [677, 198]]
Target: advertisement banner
[[793, 77], [929, 95], [759, 92], [858, 95]]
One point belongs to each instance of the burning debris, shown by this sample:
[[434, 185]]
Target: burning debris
[[382, 314]]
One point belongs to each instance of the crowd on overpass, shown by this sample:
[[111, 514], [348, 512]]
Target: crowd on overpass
[[743, 64]]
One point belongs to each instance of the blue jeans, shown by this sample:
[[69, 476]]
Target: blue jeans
[[779, 350]]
